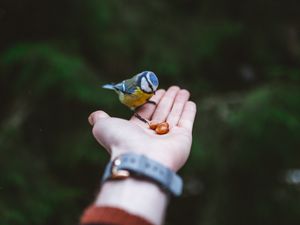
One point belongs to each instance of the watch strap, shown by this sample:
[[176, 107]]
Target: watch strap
[[141, 166]]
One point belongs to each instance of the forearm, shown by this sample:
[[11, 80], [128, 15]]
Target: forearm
[[139, 197]]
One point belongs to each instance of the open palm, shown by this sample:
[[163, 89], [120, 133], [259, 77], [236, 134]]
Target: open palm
[[119, 136]]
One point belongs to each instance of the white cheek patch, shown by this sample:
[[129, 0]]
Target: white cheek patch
[[144, 85], [148, 76]]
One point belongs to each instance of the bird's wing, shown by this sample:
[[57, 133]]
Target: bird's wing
[[127, 86]]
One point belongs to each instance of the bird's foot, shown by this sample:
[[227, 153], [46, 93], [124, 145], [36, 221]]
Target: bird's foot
[[141, 118], [151, 102]]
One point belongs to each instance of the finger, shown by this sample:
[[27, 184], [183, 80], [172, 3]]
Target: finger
[[95, 116], [176, 111], [147, 110], [188, 116], [164, 107]]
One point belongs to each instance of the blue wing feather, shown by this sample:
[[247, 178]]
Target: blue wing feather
[[128, 86]]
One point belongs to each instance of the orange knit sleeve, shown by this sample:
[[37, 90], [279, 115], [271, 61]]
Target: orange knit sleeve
[[94, 215]]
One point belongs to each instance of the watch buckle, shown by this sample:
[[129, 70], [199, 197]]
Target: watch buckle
[[116, 173]]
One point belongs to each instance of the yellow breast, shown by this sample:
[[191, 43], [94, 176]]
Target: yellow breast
[[136, 99]]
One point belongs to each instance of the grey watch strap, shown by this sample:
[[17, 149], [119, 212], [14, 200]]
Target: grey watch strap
[[140, 165]]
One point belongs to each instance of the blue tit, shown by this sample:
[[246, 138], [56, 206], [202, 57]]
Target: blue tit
[[136, 91]]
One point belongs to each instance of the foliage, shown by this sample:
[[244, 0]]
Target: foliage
[[240, 60]]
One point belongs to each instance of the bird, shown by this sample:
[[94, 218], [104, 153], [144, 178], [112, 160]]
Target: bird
[[136, 91]]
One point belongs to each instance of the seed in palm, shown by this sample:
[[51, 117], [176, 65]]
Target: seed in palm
[[160, 128]]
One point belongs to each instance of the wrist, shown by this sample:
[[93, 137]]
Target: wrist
[[140, 166], [136, 196], [143, 188]]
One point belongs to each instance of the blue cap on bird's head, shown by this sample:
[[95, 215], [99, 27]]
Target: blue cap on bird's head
[[148, 81]]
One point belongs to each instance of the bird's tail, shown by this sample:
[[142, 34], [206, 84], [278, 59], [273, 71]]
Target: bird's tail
[[109, 86]]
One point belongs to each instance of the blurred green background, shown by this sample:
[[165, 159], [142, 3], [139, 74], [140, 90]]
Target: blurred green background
[[239, 59]]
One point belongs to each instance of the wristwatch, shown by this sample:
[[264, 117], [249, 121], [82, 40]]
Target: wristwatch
[[136, 165]]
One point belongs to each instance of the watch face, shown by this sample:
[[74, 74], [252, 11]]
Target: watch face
[[117, 173]]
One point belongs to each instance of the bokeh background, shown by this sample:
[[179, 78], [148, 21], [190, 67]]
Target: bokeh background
[[239, 59]]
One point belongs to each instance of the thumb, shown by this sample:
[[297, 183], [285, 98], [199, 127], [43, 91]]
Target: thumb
[[95, 116]]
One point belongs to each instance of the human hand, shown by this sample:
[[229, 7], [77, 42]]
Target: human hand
[[119, 136]]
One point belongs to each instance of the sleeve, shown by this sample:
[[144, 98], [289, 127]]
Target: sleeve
[[95, 215]]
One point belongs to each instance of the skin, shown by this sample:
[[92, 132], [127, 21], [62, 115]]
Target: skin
[[119, 136]]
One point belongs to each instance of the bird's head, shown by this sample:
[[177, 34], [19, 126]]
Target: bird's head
[[148, 81]]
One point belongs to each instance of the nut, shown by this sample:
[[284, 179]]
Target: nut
[[162, 128], [153, 125]]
